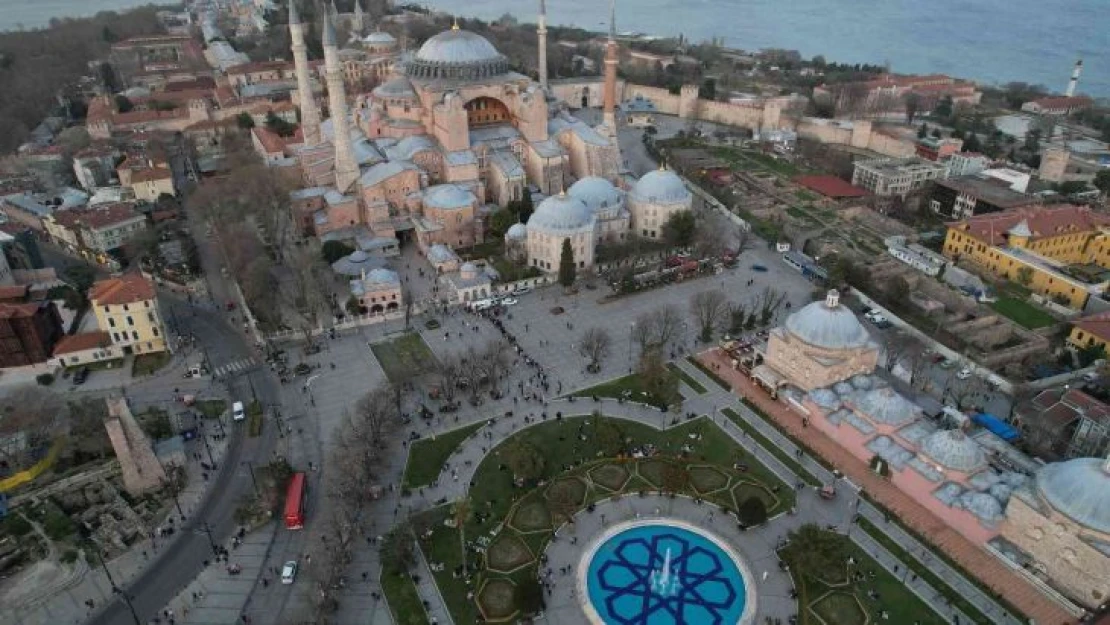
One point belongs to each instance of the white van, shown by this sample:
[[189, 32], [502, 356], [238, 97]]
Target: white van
[[237, 411], [482, 304]]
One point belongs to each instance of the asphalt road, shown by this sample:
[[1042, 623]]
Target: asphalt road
[[183, 559]]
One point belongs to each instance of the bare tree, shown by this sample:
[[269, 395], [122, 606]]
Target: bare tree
[[594, 344], [29, 419], [377, 411], [769, 302], [708, 308], [449, 372], [737, 315], [307, 292], [656, 328], [494, 360], [709, 239]]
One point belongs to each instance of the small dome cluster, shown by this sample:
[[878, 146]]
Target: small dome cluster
[[953, 449]]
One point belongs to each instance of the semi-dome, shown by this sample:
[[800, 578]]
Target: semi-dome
[[396, 87], [1078, 489], [561, 213], [597, 193], [517, 232], [661, 186], [829, 325], [448, 196], [459, 55], [953, 449]]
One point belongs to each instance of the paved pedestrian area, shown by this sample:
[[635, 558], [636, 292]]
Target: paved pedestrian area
[[987, 568]]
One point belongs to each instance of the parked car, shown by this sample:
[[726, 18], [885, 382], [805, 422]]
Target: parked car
[[482, 304], [289, 572], [964, 373], [81, 375], [759, 268], [237, 412], [522, 290], [508, 301], [947, 364]]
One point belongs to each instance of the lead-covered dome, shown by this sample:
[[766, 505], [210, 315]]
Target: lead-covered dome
[[829, 325], [1080, 490], [457, 55], [517, 232], [953, 449], [448, 197], [561, 213], [596, 193], [662, 186], [396, 87]]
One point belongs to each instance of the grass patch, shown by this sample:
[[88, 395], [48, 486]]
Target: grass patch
[[404, 602], [718, 380], [427, 455], [924, 573], [685, 377], [146, 364], [1023, 313], [254, 419], [404, 358], [631, 388], [211, 408], [783, 457], [830, 592]]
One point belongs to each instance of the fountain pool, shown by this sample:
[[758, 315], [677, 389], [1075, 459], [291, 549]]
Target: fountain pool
[[664, 573]]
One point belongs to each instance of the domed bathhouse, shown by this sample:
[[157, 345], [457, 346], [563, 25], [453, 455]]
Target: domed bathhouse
[[1058, 526], [655, 198], [558, 218]]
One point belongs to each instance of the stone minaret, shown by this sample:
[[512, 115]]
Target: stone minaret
[[541, 32], [609, 115], [346, 169], [360, 18], [1074, 82], [310, 116]]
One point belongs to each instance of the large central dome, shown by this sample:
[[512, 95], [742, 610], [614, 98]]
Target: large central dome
[[1080, 489], [457, 55]]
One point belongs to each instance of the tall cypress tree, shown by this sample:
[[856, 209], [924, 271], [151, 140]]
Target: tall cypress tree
[[567, 269]]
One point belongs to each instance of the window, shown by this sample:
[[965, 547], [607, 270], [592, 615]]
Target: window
[[150, 316], [134, 335], [115, 336], [155, 331], [111, 322], [130, 321]]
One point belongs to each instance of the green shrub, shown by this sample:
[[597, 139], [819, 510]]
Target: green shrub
[[45, 379], [57, 525], [16, 525], [69, 556], [752, 511]]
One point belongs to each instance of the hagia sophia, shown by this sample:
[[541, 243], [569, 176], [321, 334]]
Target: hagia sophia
[[451, 135], [1051, 520]]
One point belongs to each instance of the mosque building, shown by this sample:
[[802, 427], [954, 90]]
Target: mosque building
[[1051, 521], [451, 135]]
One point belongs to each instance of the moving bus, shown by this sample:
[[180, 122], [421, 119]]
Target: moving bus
[[295, 502]]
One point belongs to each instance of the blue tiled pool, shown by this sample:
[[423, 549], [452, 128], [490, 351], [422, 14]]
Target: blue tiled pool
[[662, 574]]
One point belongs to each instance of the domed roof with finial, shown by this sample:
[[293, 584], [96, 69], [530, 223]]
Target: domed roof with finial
[[828, 325], [596, 193], [517, 232], [661, 186], [561, 213]]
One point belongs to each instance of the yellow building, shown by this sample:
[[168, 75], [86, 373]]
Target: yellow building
[[1090, 331], [126, 307], [1058, 251]]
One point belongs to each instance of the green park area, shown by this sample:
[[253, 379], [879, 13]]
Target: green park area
[[427, 455], [660, 390], [839, 584], [405, 357], [536, 480], [1022, 313]]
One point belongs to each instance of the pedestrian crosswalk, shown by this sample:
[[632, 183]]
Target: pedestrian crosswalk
[[236, 366]]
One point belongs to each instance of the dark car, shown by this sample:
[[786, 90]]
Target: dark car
[[81, 375], [759, 268]]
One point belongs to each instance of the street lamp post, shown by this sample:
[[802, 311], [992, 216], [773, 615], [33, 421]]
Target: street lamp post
[[111, 581], [631, 331]]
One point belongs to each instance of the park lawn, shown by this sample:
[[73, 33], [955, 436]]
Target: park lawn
[[405, 357], [560, 443], [783, 457], [146, 364], [1023, 313], [427, 455], [685, 377], [404, 602], [901, 604], [956, 599], [629, 387]]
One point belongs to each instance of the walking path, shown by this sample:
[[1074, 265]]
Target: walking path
[[999, 578]]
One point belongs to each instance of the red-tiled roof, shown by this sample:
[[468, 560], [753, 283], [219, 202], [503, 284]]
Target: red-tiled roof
[[1096, 325], [150, 174], [271, 142], [14, 292], [259, 66], [1063, 102], [95, 218], [125, 289], [81, 342], [830, 186], [18, 311], [1046, 221]]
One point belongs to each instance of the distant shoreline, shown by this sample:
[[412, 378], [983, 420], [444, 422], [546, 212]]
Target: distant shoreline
[[30, 15]]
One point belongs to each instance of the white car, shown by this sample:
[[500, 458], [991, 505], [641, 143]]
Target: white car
[[508, 301], [237, 413], [289, 572], [522, 290], [964, 373], [482, 304]]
